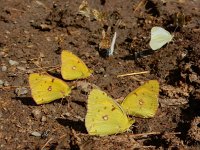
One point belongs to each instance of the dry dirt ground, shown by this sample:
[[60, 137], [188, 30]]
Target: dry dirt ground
[[34, 32]]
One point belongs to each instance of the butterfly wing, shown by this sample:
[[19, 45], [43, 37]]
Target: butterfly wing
[[73, 67], [104, 116], [45, 88], [142, 102], [159, 37]]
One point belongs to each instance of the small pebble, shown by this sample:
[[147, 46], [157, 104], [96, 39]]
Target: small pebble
[[6, 83], [24, 62], [26, 32], [37, 114], [44, 119], [13, 63], [4, 68], [1, 114], [21, 68], [96, 53], [1, 83], [21, 91], [101, 70], [7, 32], [48, 39], [105, 76], [37, 134], [2, 54], [41, 55]]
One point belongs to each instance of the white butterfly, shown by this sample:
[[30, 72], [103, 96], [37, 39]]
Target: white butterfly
[[159, 37]]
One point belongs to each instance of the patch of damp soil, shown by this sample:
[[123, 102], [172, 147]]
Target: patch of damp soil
[[33, 34]]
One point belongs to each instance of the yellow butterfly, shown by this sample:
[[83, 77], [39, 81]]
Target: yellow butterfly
[[45, 88], [142, 102], [73, 67], [104, 115]]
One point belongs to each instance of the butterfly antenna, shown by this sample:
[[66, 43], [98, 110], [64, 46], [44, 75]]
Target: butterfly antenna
[[43, 147], [111, 50]]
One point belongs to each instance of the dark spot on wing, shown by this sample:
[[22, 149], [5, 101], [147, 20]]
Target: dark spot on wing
[[141, 102], [74, 68], [49, 88], [63, 93], [52, 80], [113, 108], [105, 117]]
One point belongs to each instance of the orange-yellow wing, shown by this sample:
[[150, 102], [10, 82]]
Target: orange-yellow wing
[[142, 102], [72, 67], [45, 88], [104, 115]]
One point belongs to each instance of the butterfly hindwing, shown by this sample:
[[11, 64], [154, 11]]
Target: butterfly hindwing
[[104, 116], [73, 67], [142, 102], [45, 88]]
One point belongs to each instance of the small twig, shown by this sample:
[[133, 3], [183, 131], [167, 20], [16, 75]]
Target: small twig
[[131, 74], [41, 68], [46, 143], [144, 135], [62, 136], [10, 87], [142, 3]]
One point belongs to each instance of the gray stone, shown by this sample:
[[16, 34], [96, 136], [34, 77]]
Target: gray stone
[[101, 70], [37, 114], [35, 133], [6, 83], [21, 91], [44, 119], [3, 68], [21, 68], [13, 63], [1, 83]]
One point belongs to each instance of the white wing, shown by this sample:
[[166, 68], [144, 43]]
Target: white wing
[[111, 50], [159, 37]]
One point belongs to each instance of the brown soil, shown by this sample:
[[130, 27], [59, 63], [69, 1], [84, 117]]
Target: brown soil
[[37, 31]]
